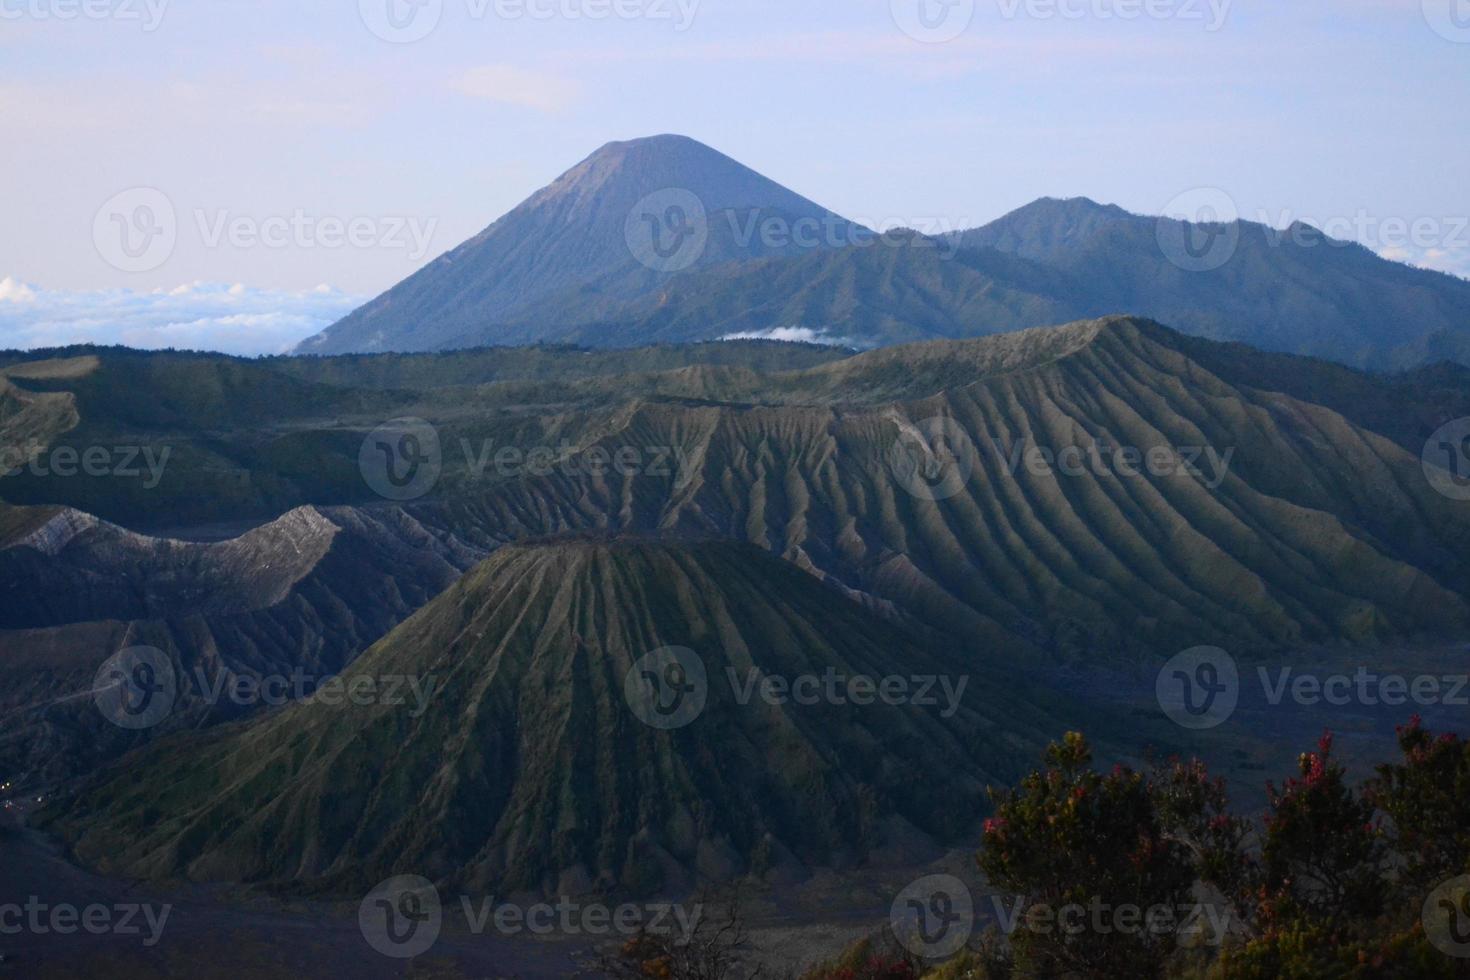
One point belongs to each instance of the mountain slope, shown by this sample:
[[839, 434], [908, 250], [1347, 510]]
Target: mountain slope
[[1323, 484], [1294, 290], [562, 267], [303, 594], [567, 242], [902, 288], [531, 768], [1320, 527], [1302, 527]]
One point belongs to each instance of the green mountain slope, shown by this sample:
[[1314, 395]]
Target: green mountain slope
[[531, 770], [1294, 290], [1301, 527], [303, 594]]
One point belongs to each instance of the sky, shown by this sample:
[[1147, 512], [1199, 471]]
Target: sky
[[280, 161]]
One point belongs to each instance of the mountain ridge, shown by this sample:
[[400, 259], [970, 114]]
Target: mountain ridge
[[561, 267], [534, 731]]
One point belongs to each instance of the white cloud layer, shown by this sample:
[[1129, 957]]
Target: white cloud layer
[[801, 335], [233, 319]]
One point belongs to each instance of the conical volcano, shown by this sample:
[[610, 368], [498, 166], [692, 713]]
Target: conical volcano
[[572, 244], [615, 715]]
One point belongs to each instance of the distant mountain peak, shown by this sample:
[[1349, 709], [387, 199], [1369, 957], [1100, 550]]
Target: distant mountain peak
[[1079, 205], [659, 142], [571, 239], [621, 172]]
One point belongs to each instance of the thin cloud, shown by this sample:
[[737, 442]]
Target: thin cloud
[[517, 86]]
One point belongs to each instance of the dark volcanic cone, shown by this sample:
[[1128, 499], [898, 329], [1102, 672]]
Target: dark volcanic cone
[[529, 768]]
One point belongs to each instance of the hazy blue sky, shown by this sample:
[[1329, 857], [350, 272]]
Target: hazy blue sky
[[1348, 111]]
